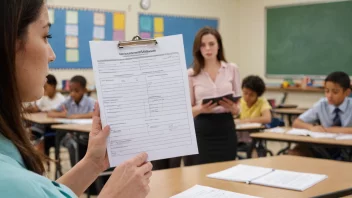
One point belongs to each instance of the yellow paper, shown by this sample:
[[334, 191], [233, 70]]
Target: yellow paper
[[119, 21], [156, 35], [99, 19], [158, 24], [51, 14], [72, 55], [71, 17], [71, 42]]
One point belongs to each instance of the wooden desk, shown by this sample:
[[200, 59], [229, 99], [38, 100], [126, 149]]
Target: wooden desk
[[84, 128], [249, 128], [282, 137], [40, 118], [165, 183], [289, 112]]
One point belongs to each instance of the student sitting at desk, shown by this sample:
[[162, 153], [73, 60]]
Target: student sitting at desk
[[333, 113], [254, 107], [51, 99], [78, 104]]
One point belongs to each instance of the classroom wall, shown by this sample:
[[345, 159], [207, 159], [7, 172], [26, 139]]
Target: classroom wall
[[252, 46], [202, 8]]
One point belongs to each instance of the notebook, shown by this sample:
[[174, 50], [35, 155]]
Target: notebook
[[269, 177], [199, 191]]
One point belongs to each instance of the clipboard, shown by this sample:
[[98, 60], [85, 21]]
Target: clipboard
[[136, 40]]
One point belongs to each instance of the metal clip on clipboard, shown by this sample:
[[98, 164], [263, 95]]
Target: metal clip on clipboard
[[137, 40]]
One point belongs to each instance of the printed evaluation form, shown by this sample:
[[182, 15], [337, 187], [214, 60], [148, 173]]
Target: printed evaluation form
[[144, 97]]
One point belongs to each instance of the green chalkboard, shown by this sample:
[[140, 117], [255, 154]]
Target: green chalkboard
[[313, 39]]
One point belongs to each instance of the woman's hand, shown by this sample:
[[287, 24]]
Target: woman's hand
[[130, 179], [229, 105], [96, 152], [207, 108]]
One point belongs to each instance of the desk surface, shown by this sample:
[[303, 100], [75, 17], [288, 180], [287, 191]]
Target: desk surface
[[297, 138], [40, 118], [165, 183], [292, 111], [73, 127]]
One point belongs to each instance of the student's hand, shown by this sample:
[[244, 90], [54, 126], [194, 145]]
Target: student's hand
[[317, 128], [231, 106], [207, 108], [54, 114], [96, 151], [130, 179], [243, 121]]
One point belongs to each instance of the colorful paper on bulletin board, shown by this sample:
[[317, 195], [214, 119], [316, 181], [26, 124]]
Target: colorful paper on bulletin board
[[99, 19], [99, 32], [72, 42], [83, 31], [71, 17], [156, 35], [72, 55], [146, 24], [119, 35], [145, 35], [172, 25], [158, 24], [71, 30], [119, 21], [51, 14]]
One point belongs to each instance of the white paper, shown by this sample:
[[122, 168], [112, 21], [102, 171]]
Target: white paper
[[248, 125], [276, 130], [143, 94], [71, 30], [241, 173], [344, 137], [295, 131], [290, 180], [199, 191], [305, 132], [322, 135], [74, 121], [99, 32]]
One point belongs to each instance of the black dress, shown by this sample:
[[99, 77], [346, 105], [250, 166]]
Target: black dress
[[216, 138]]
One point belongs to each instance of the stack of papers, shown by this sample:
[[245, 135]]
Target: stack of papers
[[199, 191], [276, 130], [269, 177], [304, 132], [74, 121]]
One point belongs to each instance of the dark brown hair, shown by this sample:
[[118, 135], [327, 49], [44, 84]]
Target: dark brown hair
[[198, 59], [15, 16]]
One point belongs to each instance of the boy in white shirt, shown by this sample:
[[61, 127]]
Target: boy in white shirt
[[51, 99]]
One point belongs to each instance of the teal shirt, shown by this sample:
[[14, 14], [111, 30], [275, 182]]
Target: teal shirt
[[17, 181]]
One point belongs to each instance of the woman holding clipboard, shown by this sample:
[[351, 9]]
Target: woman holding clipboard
[[210, 80]]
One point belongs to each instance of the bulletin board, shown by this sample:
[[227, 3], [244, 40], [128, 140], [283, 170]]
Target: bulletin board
[[154, 25], [73, 28]]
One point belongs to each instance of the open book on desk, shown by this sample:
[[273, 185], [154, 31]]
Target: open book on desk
[[269, 177], [305, 132]]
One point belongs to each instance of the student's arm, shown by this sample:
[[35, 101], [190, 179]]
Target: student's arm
[[347, 130], [265, 118], [306, 120], [59, 112], [32, 109]]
